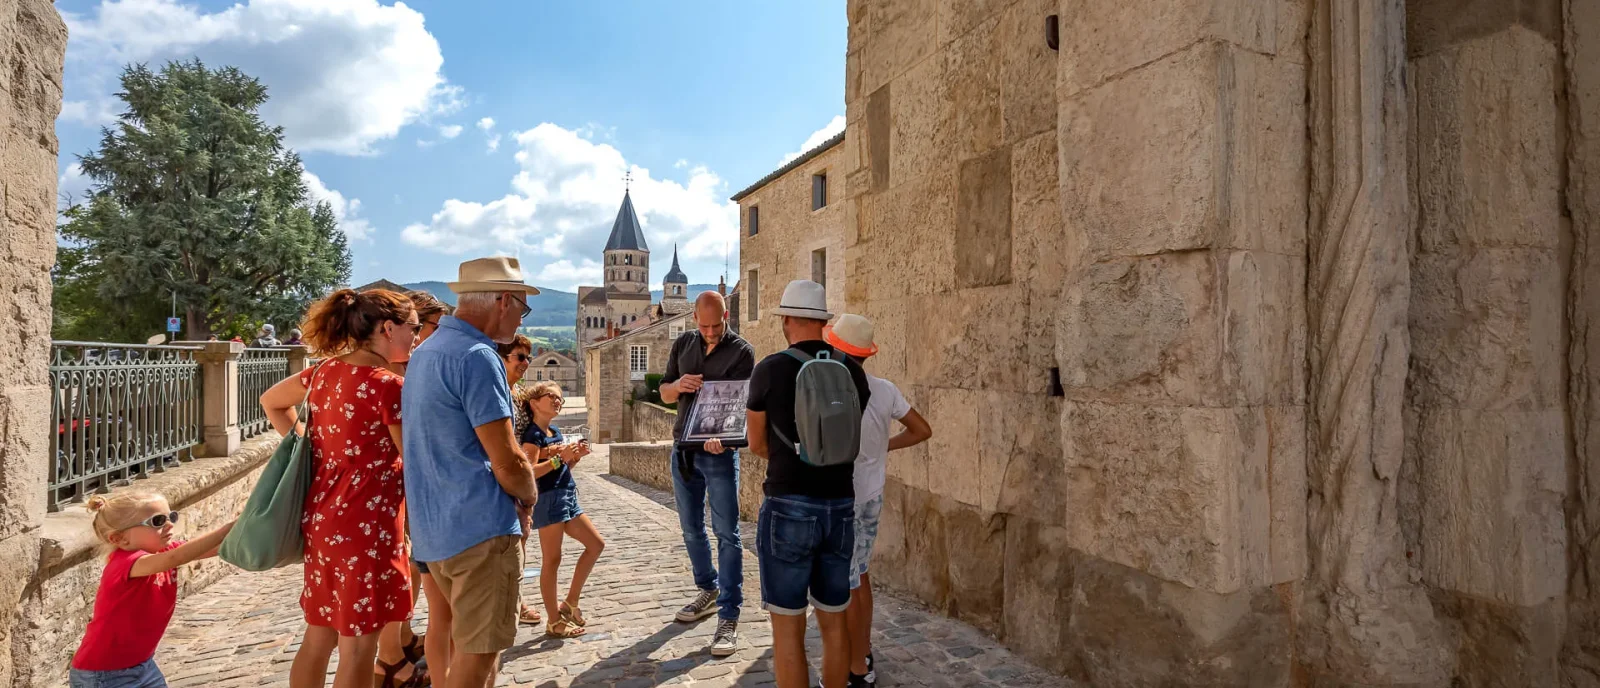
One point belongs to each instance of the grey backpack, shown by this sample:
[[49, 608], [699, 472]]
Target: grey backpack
[[827, 411]]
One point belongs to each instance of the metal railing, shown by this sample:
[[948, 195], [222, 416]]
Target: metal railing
[[120, 411], [259, 370]]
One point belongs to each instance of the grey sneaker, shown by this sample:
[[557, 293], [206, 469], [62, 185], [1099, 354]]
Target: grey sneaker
[[726, 641], [703, 606]]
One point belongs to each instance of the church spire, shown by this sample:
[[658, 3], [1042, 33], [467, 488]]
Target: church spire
[[675, 275], [626, 234]]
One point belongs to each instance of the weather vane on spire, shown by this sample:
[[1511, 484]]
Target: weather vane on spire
[[627, 180]]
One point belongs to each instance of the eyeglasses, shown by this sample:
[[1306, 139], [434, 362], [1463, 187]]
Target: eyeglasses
[[520, 358], [160, 520], [558, 400], [526, 309]]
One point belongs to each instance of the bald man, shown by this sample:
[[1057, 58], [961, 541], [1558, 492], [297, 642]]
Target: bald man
[[710, 352]]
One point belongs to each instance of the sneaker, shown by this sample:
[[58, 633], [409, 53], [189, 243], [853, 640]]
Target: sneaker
[[726, 641], [870, 680], [703, 606]]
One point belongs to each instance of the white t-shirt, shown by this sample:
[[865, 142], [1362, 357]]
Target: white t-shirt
[[885, 406]]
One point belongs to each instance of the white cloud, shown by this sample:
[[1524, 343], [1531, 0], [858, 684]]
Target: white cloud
[[347, 210], [486, 124], [450, 131], [562, 204], [342, 76], [816, 138], [71, 187]]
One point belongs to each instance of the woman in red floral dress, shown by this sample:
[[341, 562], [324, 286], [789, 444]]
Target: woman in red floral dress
[[357, 571]]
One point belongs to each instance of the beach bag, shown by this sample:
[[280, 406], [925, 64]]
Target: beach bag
[[827, 411], [267, 533]]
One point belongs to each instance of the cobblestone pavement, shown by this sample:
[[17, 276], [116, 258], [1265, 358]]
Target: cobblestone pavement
[[244, 630]]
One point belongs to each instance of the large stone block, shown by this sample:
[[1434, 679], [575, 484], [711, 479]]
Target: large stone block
[[973, 71], [1436, 25], [953, 468], [958, 17], [956, 345], [1491, 486], [977, 539], [24, 457], [1195, 328], [1504, 645], [1180, 493], [913, 230], [1027, 70], [1486, 328], [1287, 491], [1489, 158], [1105, 41], [1128, 629], [21, 556], [879, 137], [899, 34], [1202, 149], [1019, 454], [983, 220], [927, 573], [1038, 591], [1042, 245], [922, 139]]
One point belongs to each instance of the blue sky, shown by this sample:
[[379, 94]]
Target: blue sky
[[441, 130]]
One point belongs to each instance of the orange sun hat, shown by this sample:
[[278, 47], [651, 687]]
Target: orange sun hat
[[851, 334]]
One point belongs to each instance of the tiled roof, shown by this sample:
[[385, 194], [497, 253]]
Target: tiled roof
[[626, 235], [804, 158]]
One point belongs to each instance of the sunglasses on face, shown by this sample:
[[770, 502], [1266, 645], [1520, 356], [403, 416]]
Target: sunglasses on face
[[520, 358], [160, 520]]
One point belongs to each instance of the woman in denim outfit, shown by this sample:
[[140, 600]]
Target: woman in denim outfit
[[557, 513]]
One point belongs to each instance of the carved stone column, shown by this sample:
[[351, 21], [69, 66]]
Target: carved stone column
[[219, 368], [1363, 620]]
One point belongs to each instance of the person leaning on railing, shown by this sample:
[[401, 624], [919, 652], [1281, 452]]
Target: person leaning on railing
[[357, 574]]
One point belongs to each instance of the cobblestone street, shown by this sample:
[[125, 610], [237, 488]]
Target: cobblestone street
[[244, 630]]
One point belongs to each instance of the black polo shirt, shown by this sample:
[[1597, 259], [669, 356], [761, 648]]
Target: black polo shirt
[[733, 359]]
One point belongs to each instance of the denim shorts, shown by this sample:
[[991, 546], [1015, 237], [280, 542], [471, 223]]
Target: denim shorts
[[556, 506], [142, 675], [868, 514], [803, 546]]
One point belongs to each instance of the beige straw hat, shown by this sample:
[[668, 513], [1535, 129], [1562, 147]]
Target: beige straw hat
[[499, 273]]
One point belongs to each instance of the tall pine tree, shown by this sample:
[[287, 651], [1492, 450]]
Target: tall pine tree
[[194, 195]]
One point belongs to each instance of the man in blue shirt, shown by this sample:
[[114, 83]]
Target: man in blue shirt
[[468, 484]]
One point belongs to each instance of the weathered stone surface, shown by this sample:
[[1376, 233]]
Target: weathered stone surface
[[974, 88], [976, 542], [1435, 25], [1504, 645], [927, 575], [1039, 586], [923, 132], [1042, 248], [983, 214], [1027, 71], [1103, 41], [650, 423], [908, 258]]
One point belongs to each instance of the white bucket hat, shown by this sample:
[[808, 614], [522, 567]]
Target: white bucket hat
[[499, 273], [851, 334], [805, 299]]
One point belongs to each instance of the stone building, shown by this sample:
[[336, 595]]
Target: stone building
[[1254, 332], [31, 57], [615, 371], [554, 366], [625, 298], [792, 226]]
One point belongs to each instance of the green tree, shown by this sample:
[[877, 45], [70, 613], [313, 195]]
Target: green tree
[[194, 195]]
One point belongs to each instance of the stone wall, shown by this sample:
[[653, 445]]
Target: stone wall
[[1315, 281], [782, 251], [57, 604], [647, 463], [648, 422], [608, 384], [33, 42]]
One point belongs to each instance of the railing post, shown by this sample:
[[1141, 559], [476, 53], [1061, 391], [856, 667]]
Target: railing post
[[219, 369], [299, 358]]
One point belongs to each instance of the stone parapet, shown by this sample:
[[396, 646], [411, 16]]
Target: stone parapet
[[219, 369], [60, 596], [648, 422], [648, 463]]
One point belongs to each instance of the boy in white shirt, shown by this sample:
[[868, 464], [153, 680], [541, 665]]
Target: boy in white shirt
[[852, 334]]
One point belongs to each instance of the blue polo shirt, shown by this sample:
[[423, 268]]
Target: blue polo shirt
[[455, 383]]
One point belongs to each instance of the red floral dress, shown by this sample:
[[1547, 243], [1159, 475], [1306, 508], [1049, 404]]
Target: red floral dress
[[357, 572]]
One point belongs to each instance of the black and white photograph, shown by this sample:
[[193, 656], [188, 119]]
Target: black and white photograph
[[718, 412]]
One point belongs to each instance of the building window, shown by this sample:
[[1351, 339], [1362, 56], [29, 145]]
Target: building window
[[538, 375], [819, 190], [755, 220], [819, 266], [627, 260], [755, 295], [638, 361]]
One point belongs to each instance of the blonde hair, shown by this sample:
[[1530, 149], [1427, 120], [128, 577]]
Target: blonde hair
[[540, 390], [117, 512]]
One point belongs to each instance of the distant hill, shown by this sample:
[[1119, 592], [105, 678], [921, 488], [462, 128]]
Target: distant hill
[[550, 306]]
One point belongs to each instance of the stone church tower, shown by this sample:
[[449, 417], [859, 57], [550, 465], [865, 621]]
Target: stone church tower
[[675, 288], [625, 298]]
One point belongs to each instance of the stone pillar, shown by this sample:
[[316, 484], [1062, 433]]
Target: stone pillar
[[219, 366], [1364, 621], [33, 41], [299, 359], [1486, 416], [1180, 336]]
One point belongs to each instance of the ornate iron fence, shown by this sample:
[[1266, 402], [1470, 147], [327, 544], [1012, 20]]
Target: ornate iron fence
[[121, 411], [259, 370]]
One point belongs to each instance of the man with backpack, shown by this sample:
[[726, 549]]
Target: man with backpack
[[804, 417]]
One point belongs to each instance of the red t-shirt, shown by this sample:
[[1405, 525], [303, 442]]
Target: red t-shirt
[[130, 615]]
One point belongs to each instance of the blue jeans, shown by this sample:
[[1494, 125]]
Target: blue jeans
[[803, 545], [142, 675], [695, 475]]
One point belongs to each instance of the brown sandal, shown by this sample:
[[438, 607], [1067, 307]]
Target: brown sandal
[[419, 676], [415, 650], [568, 629], [529, 616], [572, 614]]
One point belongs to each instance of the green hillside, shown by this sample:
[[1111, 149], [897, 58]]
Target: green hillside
[[551, 307]]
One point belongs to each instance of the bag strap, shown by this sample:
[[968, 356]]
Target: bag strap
[[798, 355], [306, 403]]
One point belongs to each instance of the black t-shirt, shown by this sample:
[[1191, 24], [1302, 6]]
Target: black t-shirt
[[731, 360], [772, 391]]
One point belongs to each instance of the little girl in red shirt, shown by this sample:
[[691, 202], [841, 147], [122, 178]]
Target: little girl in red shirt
[[138, 590]]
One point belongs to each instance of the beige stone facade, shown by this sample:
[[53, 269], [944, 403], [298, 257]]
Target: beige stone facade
[[554, 366], [614, 372], [1249, 363], [33, 42], [793, 241]]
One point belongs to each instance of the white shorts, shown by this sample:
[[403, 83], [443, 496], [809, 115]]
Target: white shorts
[[867, 515]]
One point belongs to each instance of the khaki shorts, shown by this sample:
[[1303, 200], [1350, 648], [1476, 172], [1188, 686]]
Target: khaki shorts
[[481, 585]]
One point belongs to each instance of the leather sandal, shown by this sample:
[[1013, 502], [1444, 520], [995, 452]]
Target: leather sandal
[[415, 650], [562, 628], [419, 676], [573, 614], [529, 616]]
